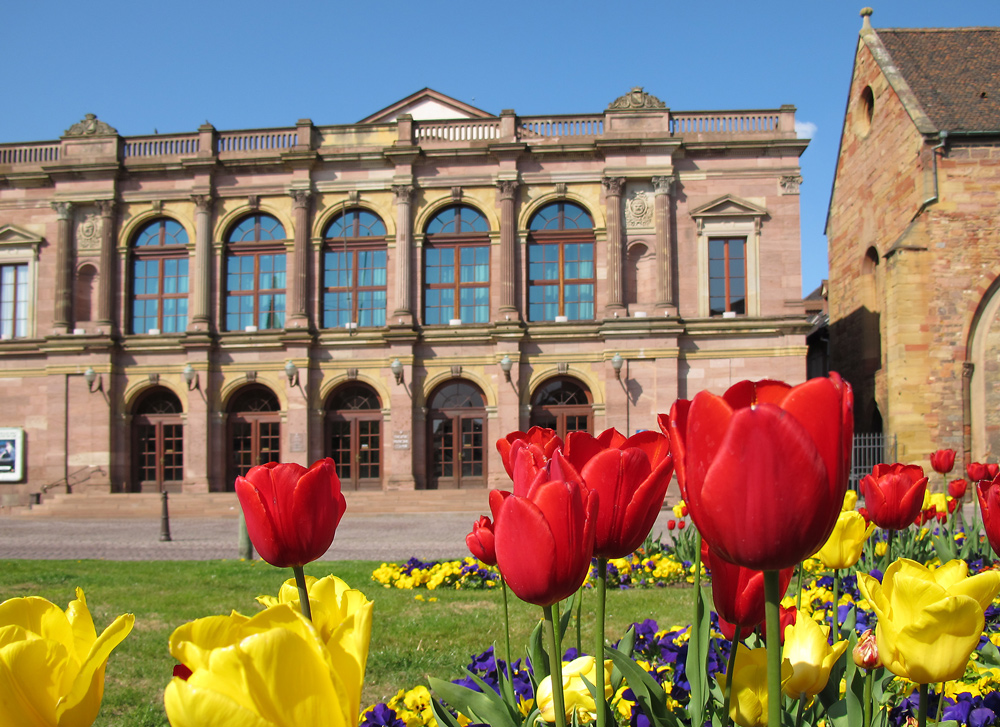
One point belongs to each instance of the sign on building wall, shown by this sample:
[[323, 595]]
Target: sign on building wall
[[11, 454]]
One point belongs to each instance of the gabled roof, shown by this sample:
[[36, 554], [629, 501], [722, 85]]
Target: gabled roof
[[954, 73], [427, 104], [729, 205]]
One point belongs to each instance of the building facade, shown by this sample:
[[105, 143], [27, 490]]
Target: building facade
[[396, 293], [914, 240]]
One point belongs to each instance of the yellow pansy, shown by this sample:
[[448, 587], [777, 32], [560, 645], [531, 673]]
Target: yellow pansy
[[806, 650], [929, 621], [52, 662], [577, 697], [843, 548], [748, 701]]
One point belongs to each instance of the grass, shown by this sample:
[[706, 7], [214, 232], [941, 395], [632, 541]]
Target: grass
[[411, 639]]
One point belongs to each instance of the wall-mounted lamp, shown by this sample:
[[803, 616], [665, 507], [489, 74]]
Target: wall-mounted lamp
[[292, 372], [91, 376], [397, 370], [616, 363], [190, 377], [506, 365]]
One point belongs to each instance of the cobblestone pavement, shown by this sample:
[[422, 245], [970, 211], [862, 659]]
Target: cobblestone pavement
[[364, 537]]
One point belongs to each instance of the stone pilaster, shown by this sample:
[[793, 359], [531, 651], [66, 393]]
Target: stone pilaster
[[106, 292], [298, 294], [613, 188], [404, 249], [508, 246], [64, 267], [663, 189], [202, 263]]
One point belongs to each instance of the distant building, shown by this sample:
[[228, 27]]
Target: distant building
[[914, 240], [396, 293]]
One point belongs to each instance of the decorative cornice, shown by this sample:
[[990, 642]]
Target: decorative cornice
[[637, 100], [90, 126]]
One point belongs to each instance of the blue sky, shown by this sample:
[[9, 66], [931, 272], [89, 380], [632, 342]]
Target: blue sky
[[171, 66]]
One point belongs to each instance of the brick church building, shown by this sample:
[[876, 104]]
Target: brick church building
[[915, 241], [396, 293]]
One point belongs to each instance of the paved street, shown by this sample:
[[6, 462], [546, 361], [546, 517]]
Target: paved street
[[364, 537]]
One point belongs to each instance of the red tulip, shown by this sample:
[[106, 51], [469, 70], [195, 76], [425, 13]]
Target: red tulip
[[544, 541], [292, 513], [481, 541], [738, 592], [763, 468], [943, 460], [894, 494], [681, 525], [989, 505], [978, 471], [957, 488], [545, 440], [671, 524], [630, 477], [992, 470]]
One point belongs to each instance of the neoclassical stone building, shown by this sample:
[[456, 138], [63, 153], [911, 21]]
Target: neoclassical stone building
[[395, 293], [914, 239]]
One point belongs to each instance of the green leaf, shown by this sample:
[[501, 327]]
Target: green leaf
[[443, 716], [484, 706], [649, 695], [697, 660], [538, 655]]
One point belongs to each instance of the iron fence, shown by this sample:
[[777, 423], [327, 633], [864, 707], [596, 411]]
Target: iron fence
[[868, 450]]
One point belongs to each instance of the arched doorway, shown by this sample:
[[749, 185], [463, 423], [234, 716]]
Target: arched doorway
[[457, 433], [157, 442], [354, 436], [563, 404], [254, 431]]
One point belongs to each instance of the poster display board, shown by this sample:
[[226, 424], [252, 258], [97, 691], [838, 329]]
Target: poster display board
[[11, 454]]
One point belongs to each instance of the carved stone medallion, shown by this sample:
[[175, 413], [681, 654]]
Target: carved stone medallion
[[90, 126], [637, 100], [88, 232], [638, 207]]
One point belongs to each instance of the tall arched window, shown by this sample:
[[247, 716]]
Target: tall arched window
[[562, 404], [457, 423], [457, 267], [255, 274], [354, 436], [354, 275], [158, 442], [160, 278], [254, 431], [561, 263]]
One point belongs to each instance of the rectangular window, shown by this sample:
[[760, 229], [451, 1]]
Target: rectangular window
[[457, 284], [727, 275], [14, 301], [255, 285], [354, 287], [561, 281]]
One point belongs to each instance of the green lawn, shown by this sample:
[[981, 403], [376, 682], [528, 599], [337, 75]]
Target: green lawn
[[411, 639]]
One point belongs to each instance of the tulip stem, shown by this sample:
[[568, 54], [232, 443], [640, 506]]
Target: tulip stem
[[555, 664], [922, 709], [940, 708], [506, 628], [579, 609], [602, 590], [800, 710], [300, 581], [888, 551], [869, 677], [772, 618], [835, 616], [798, 595], [730, 667]]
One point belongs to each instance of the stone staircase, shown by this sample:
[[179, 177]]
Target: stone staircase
[[103, 505]]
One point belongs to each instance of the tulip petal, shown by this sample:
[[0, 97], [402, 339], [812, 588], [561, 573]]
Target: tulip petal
[[82, 624], [936, 646], [80, 706], [580, 447], [38, 616], [655, 445], [527, 563], [983, 587], [188, 705], [192, 643], [30, 673]]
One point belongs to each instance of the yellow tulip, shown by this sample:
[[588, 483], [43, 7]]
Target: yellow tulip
[[850, 500], [843, 548], [929, 621], [577, 696], [748, 700], [343, 617], [52, 662], [810, 656]]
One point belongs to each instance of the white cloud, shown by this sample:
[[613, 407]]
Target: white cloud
[[805, 129]]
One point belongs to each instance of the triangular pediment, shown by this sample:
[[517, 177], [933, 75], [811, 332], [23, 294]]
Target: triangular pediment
[[729, 206], [14, 236], [427, 104]]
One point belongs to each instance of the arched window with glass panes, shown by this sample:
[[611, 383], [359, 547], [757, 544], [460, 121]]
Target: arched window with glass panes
[[354, 271], [457, 267], [561, 277], [159, 278], [255, 274]]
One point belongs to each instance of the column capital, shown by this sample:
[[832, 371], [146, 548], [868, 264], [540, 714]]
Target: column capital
[[64, 210], [300, 198], [663, 185], [105, 207], [508, 188], [403, 192], [203, 202], [613, 186]]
